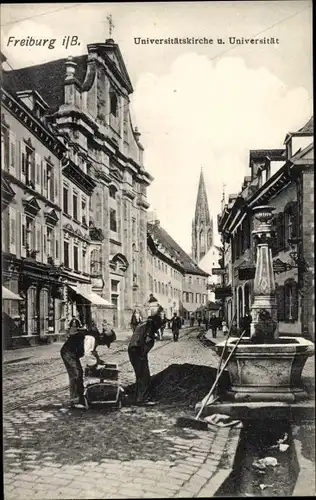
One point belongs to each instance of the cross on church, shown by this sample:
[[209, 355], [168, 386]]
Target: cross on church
[[111, 25]]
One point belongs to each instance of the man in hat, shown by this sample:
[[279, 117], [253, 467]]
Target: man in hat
[[176, 324], [142, 341]]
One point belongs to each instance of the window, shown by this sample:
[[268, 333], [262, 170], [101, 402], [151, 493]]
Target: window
[[66, 200], [198, 280], [163, 288], [113, 103], [155, 286], [66, 254], [50, 242], [159, 287], [113, 192], [75, 206], [159, 265], [113, 224], [28, 166], [287, 301], [57, 248], [83, 211], [30, 243], [190, 280], [50, 182], [76, 260], [290, 222]]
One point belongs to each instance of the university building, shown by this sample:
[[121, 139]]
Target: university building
[[173, 277], [31, 215], [104, 185], [283, 179]]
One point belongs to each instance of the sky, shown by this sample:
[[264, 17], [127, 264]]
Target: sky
[[195, 105]]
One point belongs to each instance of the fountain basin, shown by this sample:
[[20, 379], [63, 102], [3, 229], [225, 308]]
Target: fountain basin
[[267, 372]]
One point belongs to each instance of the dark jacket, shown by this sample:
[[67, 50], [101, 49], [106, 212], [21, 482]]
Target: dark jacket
[[74, 346], [144, 334], [176, 323], [214, 323]]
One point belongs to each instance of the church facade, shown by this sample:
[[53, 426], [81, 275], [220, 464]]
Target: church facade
[[88, 99]]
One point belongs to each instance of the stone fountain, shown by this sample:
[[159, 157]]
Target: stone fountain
[[265, 368]]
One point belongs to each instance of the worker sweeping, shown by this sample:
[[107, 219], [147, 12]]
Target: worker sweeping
[[142, 341]]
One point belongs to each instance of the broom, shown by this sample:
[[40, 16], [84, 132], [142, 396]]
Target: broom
[[197, 423]]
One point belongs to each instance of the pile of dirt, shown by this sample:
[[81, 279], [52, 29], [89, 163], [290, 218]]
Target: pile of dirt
[[184, 384]]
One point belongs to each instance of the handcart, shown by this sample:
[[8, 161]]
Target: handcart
[[102, 387]]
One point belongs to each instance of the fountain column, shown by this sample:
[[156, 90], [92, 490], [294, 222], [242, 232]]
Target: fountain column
[[264, 307]]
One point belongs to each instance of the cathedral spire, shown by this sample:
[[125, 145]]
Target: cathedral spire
[[202, 224], [202, 212]]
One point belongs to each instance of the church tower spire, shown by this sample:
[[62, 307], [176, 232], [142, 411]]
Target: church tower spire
[[202, 224]]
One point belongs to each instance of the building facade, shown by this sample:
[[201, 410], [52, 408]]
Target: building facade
[[88, 99], [31, 215], [174, 278], [283, 179], [202, 224]]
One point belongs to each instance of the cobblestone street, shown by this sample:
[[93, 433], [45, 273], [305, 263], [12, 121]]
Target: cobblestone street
[[54, 452]]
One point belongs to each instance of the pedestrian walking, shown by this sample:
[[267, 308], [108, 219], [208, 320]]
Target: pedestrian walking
[[136, 319], [142, 341], [206, 325], [199, 320], [176, 324], [213, 325], [192, 320], [164, 321]]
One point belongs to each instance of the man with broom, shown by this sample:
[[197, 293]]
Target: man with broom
[[142, 341]]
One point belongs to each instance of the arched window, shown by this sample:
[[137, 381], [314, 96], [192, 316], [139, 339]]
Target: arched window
[[113, 222], [202, 239], [209, 238], [113, 192], [113, 103], [159, 287]]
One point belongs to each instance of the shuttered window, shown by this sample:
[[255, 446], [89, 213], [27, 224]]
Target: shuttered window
[[23, 235], [23, 161], [44, 244], [12, 230], [38, 172], [38, 241], [12, 168], [5, 149]]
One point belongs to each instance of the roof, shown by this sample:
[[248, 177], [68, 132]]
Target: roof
[[186, 263], [274, 154], [36, 78], [308, 127]]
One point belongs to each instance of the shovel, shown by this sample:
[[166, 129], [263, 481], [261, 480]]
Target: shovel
[[197, 423]]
